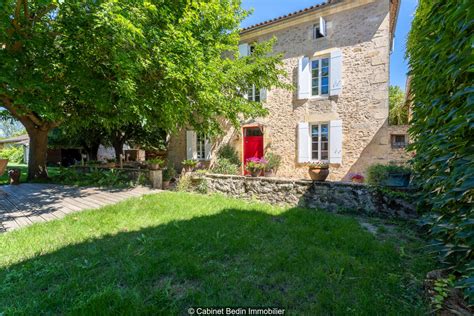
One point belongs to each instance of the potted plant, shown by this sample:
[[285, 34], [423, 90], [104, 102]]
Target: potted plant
[[273, 162], [189, 164], [255, 166], [356, 178], [155, 164], [168, 174], [318, 171]]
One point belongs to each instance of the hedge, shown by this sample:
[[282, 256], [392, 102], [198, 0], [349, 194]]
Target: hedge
[[441, 67]]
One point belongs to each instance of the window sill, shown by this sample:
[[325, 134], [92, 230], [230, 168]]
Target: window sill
[[319, 97]]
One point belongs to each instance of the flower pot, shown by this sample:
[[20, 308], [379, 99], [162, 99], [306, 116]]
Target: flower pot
[[318, 174], [357, 180], [255, 173], [154, 166], [188, 168], [166, 185]]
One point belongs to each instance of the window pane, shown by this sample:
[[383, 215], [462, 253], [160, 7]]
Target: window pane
[[324, 81], [324, 129], [315, 64], [324, 155], [324, 90], [325, 62], [257, 95], [324, 72], [314, 130], [314, 155], [324, 146]]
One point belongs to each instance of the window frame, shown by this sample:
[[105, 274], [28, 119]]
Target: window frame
[[319, 150], [255, 92], [396, 145], [317, 31], [201, 147], [320, 61]]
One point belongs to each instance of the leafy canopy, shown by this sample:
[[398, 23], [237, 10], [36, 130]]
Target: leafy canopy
[[398, 107]]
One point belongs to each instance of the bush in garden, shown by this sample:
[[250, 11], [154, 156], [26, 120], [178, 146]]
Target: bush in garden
[[377, 174], [442, 70], [228, 152], [13, 154], [225, 166]]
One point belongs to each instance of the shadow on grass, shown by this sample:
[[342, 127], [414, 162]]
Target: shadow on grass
[[307, 262]]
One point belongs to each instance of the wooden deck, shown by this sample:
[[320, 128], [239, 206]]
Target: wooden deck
[[24, 204]]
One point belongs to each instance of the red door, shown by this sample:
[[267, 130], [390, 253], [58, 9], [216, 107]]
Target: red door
[[253, 143]]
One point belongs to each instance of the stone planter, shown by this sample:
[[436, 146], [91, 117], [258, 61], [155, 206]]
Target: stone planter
[[318, 174]]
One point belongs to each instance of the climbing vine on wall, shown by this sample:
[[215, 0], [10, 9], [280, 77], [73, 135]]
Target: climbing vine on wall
[[442, 68]]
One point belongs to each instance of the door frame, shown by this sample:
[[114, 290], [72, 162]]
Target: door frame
[[242, 167]]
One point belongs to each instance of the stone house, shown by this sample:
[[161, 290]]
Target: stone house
[[337, 57]]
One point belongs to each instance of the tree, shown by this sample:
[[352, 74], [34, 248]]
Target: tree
[[173, 63], [398, 107]]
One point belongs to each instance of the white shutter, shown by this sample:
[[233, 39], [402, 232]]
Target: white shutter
[[304, 78], [335, 75], [191, 152], [303, 142], [244, 50], [263, 95], [335, 141], [207, 148], [322, 26]]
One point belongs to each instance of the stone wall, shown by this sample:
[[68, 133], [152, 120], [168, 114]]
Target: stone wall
[[331, 196], [362, 34]]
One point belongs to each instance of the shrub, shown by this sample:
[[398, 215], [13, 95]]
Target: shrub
[[255, 164], [440, 57], [225, 166], [273, 160], [97, 177], [228, 152], [377, 174], [13, 154]]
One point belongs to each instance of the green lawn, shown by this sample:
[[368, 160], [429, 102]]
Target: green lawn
[[161, 254], [24, 172]]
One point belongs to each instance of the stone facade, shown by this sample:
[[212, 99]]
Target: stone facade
[[330, 196], [362, 33]]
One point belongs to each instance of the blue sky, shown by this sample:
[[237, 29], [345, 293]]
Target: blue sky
[[268, 9]]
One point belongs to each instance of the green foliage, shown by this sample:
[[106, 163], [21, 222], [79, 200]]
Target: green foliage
[[96, 177], [273, 161], [202, 186], [442, 68], [230, 154], [398, 107], [184, 183], [225, 166], [14, 154], [169, 173], [377, 174], [157, 161], [190, 163], [442, 287]]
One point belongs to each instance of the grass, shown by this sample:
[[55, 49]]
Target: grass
[[161, 254], [52, 171]]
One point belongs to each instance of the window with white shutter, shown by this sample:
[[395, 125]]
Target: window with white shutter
[[319, 29], [304, 78], [197, 146]]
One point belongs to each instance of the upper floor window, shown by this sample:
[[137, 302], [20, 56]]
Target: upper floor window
[[320, 77], [319, 29], [253, 94], [320, 142]]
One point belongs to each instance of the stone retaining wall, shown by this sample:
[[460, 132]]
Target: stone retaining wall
[[331, 196]]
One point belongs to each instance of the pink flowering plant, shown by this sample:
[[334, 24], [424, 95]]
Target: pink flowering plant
[[255, 164], [356, 176]]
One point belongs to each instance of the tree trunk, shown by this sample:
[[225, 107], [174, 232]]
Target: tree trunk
[[118, 147], [38, 152], [92, 150]]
